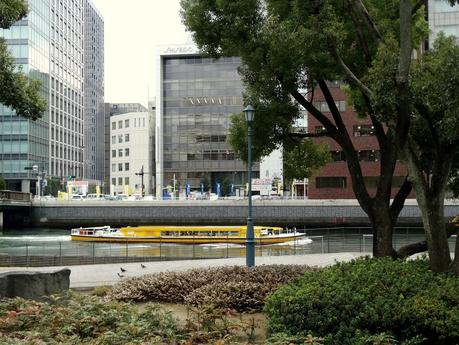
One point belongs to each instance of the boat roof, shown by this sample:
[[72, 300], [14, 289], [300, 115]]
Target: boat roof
[[199, 227]]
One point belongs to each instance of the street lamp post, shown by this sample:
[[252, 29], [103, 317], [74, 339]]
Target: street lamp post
[[141, 173], [249, 114]]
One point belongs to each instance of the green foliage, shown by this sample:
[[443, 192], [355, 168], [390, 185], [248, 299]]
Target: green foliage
[[436, 120], [287, 46], [17, 91], [226, 187], [92, 189], [302, 159], [285, 339], [2, 183], [101, 291], [53, 186], [205, 181], [11, 11], [235, 287], [381, 300], [77, 319]]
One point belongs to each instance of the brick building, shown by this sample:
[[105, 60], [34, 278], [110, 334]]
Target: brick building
[[334, 181]]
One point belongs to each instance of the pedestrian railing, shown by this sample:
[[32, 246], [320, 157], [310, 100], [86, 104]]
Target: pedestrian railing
[[322, 240]]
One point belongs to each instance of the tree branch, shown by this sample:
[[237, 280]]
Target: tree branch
[[399, 200], [377, 125], [325, 121], [361, 37], [361, 9], [355, 169], [350, 75], [421, 246], [417, 6], [415, 167], [405, 42], [425, 114]]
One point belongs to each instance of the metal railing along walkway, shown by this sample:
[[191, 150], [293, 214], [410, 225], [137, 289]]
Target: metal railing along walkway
[[322, 240]]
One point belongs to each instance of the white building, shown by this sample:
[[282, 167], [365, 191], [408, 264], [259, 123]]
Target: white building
[[442, 17], [131, 139]]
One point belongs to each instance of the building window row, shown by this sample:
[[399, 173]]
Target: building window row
[[331, 182], [121, 137], [138, 123], [363, 130], [121, 152], [341, 181], [364, 155], [210, 138], [120, 167], [120, 181], [323, 106]]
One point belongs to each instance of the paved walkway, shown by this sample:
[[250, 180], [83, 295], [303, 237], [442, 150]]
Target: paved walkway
[[89, 276]]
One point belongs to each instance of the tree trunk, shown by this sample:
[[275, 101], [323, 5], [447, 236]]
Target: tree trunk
[[432, 210], [382, 224]]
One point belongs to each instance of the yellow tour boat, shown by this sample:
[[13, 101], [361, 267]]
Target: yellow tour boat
[[183, 234]]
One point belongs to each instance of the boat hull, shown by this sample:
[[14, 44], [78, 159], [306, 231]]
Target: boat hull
[[265, 240]]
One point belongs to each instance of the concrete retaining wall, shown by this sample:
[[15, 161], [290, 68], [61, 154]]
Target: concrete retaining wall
[[225, 212]]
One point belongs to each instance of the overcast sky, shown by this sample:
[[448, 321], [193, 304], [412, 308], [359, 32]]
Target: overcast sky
[[133, 28]]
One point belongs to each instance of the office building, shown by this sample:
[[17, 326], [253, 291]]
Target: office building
[[442, 17], [196, 96], [49, 46], [334, 181], [131, 137], [94, 112], [26, 143], [109, 110]]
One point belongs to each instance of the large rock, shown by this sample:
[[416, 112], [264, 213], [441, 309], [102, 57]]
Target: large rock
[[33, 285]]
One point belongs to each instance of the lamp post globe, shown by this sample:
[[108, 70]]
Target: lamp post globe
[[249, 114]]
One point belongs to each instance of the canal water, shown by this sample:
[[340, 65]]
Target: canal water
[[51, 247]]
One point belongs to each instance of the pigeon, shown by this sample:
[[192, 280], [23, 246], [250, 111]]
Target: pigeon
[[122, 269], [143, 266], [120, 275]]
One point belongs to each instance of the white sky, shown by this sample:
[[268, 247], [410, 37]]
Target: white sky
[[133, 28]]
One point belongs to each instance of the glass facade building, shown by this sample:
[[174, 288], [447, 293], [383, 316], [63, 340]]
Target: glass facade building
[[48, 45], [197, 96], [25, 143]]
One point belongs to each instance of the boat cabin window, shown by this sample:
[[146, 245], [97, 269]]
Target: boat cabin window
[[199, 233]]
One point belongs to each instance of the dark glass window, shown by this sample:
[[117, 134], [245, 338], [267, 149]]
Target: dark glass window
[[331, 182], [338, 156], [363, 130]]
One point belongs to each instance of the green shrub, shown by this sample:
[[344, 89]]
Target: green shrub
[[235, 287], [365, 300], [75, 319], [101, 291]]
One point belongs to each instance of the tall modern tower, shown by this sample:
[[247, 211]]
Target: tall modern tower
[[49, 46], [66, 88], [94, 139]]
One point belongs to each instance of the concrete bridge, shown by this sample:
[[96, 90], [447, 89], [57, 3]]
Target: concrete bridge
[[67, 214], [14, 207]]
